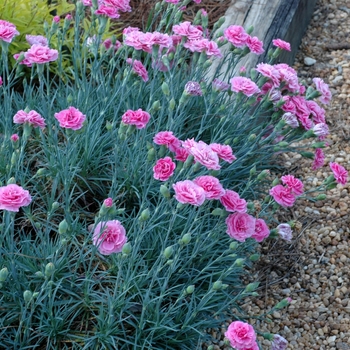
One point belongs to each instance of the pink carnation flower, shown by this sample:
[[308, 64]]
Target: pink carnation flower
[[244, 85], [138, 118], [187, 30], [40, 54], [14, 137], [219, 85], [340, 173], [164, 169], [211, 185], [282, 195], [285, 232], [295, 185], [33, 118], [0, 81], [109, 237], [269, 71], [321, 130], [290, 119], [232, 202], [318, 159], [120, 5], [7, 31], [36, 39], [167, 139], [236, 35], [284, 45], [240, 226], [204, 45], [240, 334], [203, 154], [317, 112], [57, 19], [323, 88], [193, 88], [138, 68], [261, 230], [255, 45], [107, 11], [108, 202], [181, 154], [188, 192], [223, 151], [12, 197], [70, 118], [24, 61]]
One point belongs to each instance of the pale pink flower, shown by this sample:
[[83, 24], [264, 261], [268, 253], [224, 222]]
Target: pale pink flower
[[107, 11], [162, 40], [240, 226], [219, 85], [57, 19], [284, 45], [244, 85], [204, 45], [211, 185], [188, 192], [14, 137], [193, 88], [223, 151], [87, 2], [290, 119], [138, 40], [295, 185], [279, 343], [109, 237], [318, 159], [138, 118], [33, 118], [36, 39], [321, 130], [187, 30], [167, 139], [24, 61], [339, 172], [232, 201], [285, 232], [7, 31], [240, 334], [204, 155], [289, 76], [254, 346], [197, 1], [120, 5], [129, 29], [236, 35], [269, 71], [188, 144], [108, 202], [68, 17], [138, 68], [255, 45], [12, 197], [323, 88], [164, 169], [261, 230], [70, 118], [181, 154], [176, 39], [282, 195], [41, 54]]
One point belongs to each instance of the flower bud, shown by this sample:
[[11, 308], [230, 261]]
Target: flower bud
[[252, 171], [283, 144], [250, 206], [239, 262], [329, 179], [62, 227], [55, 205], [41, 171], [217, 285], [267, 336], [251, 137], [331, 186], [218, 212], [207, 64], [165, 89], [263, 175], [276, 181], [151, 154], [186, 238], [27, 296], [11, 181], [158, 6], [155, 106], [233, 245], [145, 214], [126, 250], [251, 287], [283, 303], [49, 269], [190, 289], [70, 99], [189, 161], [309, 155], [39, 274], [321, 197], [168, 252], [3, 274], [172, 104], [35, 295], [254, 257], [109, 125], [318, 145], [164, 191], [13, 158]]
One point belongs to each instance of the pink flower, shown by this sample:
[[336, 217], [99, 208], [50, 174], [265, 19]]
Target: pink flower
[[138, 118], [70, 118], [321, 130], [284, 45], [167, 139], [181, 154], [172, 1], [14, 137], [186, 29], [36, 39], [269, 71], [223, 151], [240, 226], [188, 192], [12, 197], [138, 68], [7, 31], [108, 202], [240, 334], [204, 45], [33, 118], [219, 85], [255, 45], [279, 343], [318, 113], [57, 19], [261, 230], [24, 61], [40, 54], [244, 85], [0, 81], [340, 173], [164, 169], [211, 185], [107, 11], [285, 231], [318, 159], [120, 5], [203, 154], [163, 40], [138, 40], [108, 44], [323, 88], [295, 185], [193, 88], [232, 202], [68, 17], [236, 35], [109, 237], [282, 195], [290, 119]]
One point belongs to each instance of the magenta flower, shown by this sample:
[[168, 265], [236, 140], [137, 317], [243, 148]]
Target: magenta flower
[[138, 68], [24, 61], [240, 226], [284, 45], [223, 151], [204, 155], [232, 202], [56, 19], [282, 195], [269, 71], [14, 137], [138, 118], [167, 139], [70, 118], [187, 192], [255, 45], [244, 85], [339, 172], [240, 334], [40, 54], [109, 237], [32, 118], [108, 202], [186, 29], [12, 197], [323, 88], [107, 11], [120, 5], [164, 169], [0, 81], [236, 35], [7, 31], [318, 159], [261, 230], [295, 185], [181, 154], [211, 186]]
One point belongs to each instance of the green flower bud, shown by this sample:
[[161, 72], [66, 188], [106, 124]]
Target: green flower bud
[[239, 262], [126, 250], [318, 145], [217, 285], [158, 6], [251, 137], [190, 289], [49, 269], [321, 197], [268, 336], [207, 64], [37, 225], [155, 106], [267, 199], [164, 191], [250, 30], [233, 245], [189, 161], [309, 155], [254, 257], [276, 181], [39, 274], [283, 303], [186, 238], [251, 287], [3, 274], [27, 296], [145, 214], [109, 125], [70, 99], [168, 252], [151, 154], [169, 262], [55, 205], [196, 167], [162, 151], [210, 347], [41, 171], [331, 186], [283, 144], [250, 206], [172, 104], [214, 173], [62, 227], [11, 180], [252, 171], [263, 175], [13, 158], [329, 179], [218, 212], [224, 286], [165, 89]]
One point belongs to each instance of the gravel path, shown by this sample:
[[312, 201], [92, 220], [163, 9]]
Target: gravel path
[[314, 270]]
